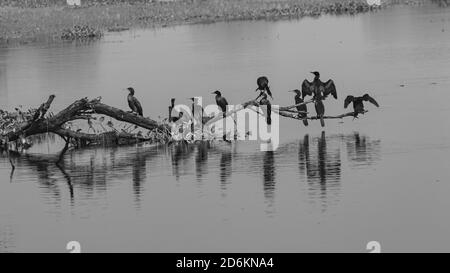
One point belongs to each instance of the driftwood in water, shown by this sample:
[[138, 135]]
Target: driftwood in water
[[79, 110], [38, 122]]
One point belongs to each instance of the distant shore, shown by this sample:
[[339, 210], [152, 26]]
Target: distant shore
[[24, 21]]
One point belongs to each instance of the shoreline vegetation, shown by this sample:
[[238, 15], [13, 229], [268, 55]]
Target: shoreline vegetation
[[24, 21]]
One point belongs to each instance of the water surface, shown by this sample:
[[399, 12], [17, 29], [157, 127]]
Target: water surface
[[381, 177]]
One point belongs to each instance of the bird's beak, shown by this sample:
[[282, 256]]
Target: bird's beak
[[291, 91], [213, 92], [312, 73]]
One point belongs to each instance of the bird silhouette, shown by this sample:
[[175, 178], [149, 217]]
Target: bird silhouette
[[358, 103], [263, 87], [221, 102], [301, 108], [176, 118], [320, 91], [133, 102]]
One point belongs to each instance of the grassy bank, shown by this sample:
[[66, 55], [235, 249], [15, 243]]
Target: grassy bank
[[33, 20]]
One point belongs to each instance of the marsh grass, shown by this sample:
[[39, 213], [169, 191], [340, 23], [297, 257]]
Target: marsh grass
[[31, 20]]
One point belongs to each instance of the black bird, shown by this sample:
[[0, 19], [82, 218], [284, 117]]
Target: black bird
[[358, 103], [320, 90], [263, 87], [301, 108], [134, 104], [180, 114], [221, 102]]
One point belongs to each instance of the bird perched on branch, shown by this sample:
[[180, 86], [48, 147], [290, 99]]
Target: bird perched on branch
[[133, 102], [221, 102], [301, 108], [171, 107], [320, 91], [358, 103], [263, 87]]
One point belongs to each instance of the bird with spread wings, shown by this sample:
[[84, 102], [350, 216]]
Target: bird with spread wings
[[320, 91], [358, 103]]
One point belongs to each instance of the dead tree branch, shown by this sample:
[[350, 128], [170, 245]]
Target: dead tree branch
[[80, 109]]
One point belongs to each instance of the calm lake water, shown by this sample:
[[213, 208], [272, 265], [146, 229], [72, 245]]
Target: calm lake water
[[383, 177]]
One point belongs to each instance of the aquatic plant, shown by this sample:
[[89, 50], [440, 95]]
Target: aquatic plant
[[80, 32], [24, 20]]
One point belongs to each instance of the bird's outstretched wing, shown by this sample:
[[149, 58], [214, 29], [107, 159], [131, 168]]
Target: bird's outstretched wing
[[348, 100], [368, 98], [307, 89], [330, 88]]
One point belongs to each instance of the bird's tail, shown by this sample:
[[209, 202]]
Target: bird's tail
[[322, 121], [269, 92]]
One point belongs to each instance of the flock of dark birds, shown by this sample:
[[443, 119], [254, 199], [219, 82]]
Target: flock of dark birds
[[317, 89]]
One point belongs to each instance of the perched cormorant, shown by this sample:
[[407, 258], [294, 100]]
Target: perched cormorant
[[221, 102], [358, 103], [263, 87], [180, 114], [134, 104], [301, 108], [320, 90]]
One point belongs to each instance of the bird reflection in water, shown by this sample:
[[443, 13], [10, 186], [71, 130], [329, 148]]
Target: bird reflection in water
[[225, 170], [180, 153], [139, 171], [322, 169], [361, 151], [92, 169], [201, 160], [269, 180], [86, 172]]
